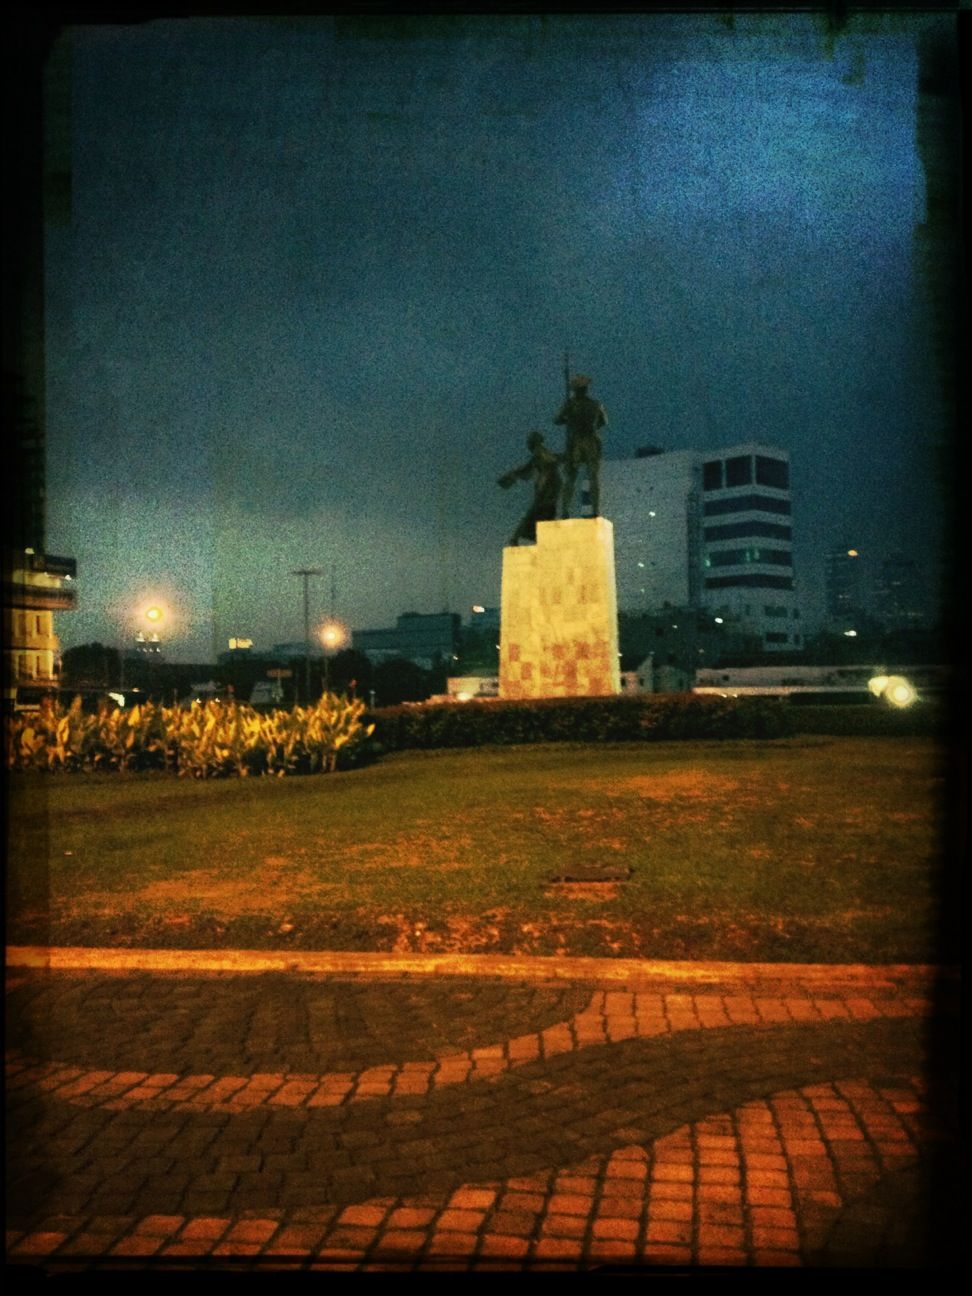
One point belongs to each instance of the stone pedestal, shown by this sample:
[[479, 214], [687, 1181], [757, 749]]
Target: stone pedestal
[[559, 619]]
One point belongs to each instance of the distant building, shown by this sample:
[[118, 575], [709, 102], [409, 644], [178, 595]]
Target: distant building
[[461, 688], [708, 530], [844, 585], [238, 650], [147, 648], [682, 637], [479, 642], [899, 598], [284, 652], [428, 640]]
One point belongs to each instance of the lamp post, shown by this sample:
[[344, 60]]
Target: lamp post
[[306, 573], [333, 635], [154, 615]]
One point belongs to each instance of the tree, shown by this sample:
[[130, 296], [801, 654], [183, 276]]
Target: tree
[[90, 666], [350, 670], [400, 680]]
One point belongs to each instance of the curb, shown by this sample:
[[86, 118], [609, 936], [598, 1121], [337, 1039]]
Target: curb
[[520, 967]]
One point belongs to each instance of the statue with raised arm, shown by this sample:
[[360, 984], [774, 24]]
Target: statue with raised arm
[[583, 417], [543, 467]]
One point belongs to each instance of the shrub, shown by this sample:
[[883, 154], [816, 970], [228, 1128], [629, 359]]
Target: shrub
[[612, 719], [202, 741]]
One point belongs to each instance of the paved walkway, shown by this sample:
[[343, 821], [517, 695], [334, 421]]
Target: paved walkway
[[372, 1112]]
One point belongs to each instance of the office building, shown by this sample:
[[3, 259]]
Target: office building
[[844, 585], [900, 594], [709, 530], [428, 640]]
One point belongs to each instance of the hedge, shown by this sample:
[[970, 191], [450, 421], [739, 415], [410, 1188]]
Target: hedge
[[608, 719]]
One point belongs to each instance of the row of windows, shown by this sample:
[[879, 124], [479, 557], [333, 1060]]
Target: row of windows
[[742, 503], [758, 580], [733, 557], [735, 530], [30, 666], [27, 623], [739, 471]]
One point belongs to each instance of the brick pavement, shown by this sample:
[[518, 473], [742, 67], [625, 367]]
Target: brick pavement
[[303, 1118]]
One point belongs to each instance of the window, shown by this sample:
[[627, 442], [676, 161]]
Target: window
[[739, 471], [772, 611], [741, 503], [772, 472], [734, 557], [735, 530], [712, 475], [757, 580], [777, 638]]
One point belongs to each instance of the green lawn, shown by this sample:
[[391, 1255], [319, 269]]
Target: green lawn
[[812, 848]]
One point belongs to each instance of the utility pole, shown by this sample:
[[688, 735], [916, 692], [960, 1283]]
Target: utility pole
[[306, 573]]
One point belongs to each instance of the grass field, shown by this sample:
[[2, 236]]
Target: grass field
[[811, 848]]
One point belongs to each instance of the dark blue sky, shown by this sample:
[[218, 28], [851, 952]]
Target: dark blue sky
[[318, 282]]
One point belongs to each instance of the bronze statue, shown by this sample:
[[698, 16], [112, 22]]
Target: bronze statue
[[584, 417], [544, 467]]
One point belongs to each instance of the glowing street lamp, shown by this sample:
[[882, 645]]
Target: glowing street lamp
[[154, 615], [332, 635]]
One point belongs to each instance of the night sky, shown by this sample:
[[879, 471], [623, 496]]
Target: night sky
[[319, 278]]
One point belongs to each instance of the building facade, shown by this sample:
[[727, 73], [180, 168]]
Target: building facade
[[427, 639], [710, 530], [900, 598], [844, 585], [35, 586]]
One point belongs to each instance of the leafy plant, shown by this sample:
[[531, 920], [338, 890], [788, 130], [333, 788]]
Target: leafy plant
[[203, 741]]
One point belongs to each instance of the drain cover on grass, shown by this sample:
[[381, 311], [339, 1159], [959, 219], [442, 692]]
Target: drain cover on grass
[[594, 872]]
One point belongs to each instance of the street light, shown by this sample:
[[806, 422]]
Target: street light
[[333, 635], [306, 573], [154, 615]]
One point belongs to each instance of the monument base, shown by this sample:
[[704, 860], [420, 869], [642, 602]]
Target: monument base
[[559, 617]]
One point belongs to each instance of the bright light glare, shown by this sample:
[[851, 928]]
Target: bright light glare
[[153, 614], [899, 692], [895, 689], [851, 553], [332, 634], [718, 621], [478, 607], [850, 634]]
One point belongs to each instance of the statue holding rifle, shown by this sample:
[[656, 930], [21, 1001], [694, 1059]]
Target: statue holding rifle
[[583, 418]]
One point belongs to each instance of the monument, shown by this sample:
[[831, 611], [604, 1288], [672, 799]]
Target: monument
[[559, 615]]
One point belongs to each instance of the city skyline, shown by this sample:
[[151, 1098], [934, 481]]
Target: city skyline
[[318, 277]]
